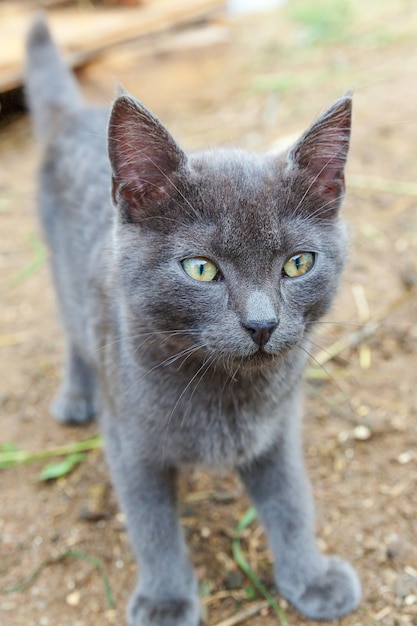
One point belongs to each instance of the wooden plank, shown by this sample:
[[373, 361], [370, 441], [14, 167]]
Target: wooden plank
[[82, 34]]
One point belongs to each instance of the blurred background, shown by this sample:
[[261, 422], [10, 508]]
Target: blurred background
[[253, 75]]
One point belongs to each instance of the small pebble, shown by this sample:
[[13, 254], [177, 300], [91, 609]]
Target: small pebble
[[410, 600], [411, 571], [394, 546], [233, 580], [94, 507], [406, 457], [111, 616], [73, 599], [188, 511], [362, 432], [343, 436], [409, 278]]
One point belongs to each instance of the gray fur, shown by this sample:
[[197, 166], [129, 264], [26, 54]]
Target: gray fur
[[169, 363]]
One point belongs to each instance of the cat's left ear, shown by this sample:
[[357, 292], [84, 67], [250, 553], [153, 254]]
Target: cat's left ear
[[322, 151], [145, 159]]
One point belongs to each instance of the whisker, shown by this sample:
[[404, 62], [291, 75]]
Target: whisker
[[320, 209], [165, 362], [171, 359], [185, 353], [132, 337], [322, 349], [187, 387], [207, 361], [333, 323], [331, 378]]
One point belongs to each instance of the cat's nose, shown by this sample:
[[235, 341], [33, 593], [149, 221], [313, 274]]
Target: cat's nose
[[261, 331]]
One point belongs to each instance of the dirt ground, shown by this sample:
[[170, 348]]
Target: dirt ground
[[270, 79]]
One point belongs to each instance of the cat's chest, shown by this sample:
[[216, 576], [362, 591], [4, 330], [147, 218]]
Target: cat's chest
[[247, 438], [215, 426]]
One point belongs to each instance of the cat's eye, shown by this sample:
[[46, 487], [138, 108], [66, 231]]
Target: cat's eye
[[299, 264], [201, 269]]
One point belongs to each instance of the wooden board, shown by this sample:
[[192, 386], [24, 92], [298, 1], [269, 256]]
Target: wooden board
[[83, 33]]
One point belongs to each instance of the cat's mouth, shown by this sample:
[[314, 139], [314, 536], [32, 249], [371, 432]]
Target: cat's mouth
[[267, 357], [261, 359]]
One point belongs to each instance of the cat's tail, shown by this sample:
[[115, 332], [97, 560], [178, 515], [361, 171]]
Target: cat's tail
[[51, 88]]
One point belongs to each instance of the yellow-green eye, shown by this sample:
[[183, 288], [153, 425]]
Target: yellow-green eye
[[200, 268], [299, 264]]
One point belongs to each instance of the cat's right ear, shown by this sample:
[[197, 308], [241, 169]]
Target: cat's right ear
[[322, 151], [145, 159]]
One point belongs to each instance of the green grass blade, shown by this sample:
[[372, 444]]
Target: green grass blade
[[246, 519], [75, 554], [243, 564], [27, 582], [10, 458], [62, 468]]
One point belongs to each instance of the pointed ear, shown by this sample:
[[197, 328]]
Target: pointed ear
[[143, 156], [321, 152]]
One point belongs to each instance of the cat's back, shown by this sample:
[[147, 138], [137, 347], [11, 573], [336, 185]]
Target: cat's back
[[75, 154], [77, 214], [75, 177]]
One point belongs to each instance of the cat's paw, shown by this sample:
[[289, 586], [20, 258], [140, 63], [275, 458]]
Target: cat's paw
[[71, 408], [336, 592], [164, 612]]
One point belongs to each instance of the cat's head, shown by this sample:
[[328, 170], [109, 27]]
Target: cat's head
[[228, 253]]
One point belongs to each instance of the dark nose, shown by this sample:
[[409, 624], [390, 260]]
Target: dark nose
[[261, 331]]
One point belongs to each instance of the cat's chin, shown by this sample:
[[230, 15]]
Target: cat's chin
[[261, 360]]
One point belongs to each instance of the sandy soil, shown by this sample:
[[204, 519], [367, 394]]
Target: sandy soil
[[268, 82]]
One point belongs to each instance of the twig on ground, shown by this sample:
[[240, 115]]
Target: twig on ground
[[350, 341], [242, 616], [364, 332]]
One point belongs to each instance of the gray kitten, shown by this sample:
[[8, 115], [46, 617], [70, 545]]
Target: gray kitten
[[187, 295]]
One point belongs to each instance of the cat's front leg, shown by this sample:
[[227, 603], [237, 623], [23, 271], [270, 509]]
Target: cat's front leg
[[321, 587], [166, 594]]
